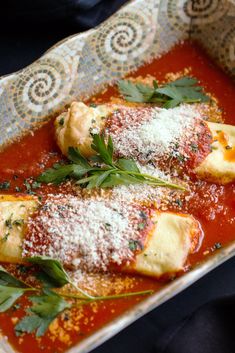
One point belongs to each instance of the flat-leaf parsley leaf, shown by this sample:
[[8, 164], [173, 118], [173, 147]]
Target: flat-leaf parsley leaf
[[103, 171], [169, 95]]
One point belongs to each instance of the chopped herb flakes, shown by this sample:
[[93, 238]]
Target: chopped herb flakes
[[178, 202], [181, 158], [217, 246], [27, 185], [141, 226], [36, 185], [194, 147], [143, 215], [8, 222], [18, 222], [31, 184], [108, 226], [4, 239], [135, 245], [61, 121], [5, 185]]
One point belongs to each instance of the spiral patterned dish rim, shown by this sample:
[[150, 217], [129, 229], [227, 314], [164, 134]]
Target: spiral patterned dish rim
[[83, 64]]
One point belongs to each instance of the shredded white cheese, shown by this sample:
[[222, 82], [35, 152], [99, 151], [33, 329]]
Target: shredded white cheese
[[150, 133], [89, 233]]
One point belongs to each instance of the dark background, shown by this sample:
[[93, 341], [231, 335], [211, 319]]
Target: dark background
[[27, 29]]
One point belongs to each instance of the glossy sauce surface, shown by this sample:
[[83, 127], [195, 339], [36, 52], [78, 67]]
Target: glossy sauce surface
[[229, 152], [212, 205]]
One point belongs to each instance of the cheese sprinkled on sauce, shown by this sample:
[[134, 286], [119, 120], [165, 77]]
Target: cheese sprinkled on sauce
[[89, 234], [160, 197], [150, 133]]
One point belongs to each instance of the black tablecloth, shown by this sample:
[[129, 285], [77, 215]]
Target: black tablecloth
[[200, 319]]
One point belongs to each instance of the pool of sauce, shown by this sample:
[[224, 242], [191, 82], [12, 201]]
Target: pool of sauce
[[212, 205]]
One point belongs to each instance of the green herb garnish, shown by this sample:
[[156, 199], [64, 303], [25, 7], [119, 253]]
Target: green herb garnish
[[5, 185], [46, 303], [35, 185], [135, 245], [170, 95], [92, 105], [8, 296], [194, 147], [217, 245], [52, 268], [28, 186], [18, 222], [8, 222], [102, 170], [46, 307], [141, 225], [61, 121], [179, 202], [4, 239]]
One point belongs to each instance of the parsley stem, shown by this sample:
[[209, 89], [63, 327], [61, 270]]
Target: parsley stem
[[123, 295], [31, 289], [156, 99], [28, 287], [191, 100], [86, 295], [158, 181], [107, 297]]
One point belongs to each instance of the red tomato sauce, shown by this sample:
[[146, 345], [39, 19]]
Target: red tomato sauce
[[216, 212]]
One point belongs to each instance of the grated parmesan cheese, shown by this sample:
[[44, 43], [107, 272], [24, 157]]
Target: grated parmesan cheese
[[158, 196], [149, 133], [90, 233]]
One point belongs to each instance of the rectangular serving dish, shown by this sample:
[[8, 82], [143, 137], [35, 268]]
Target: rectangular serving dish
[[83, 64]]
